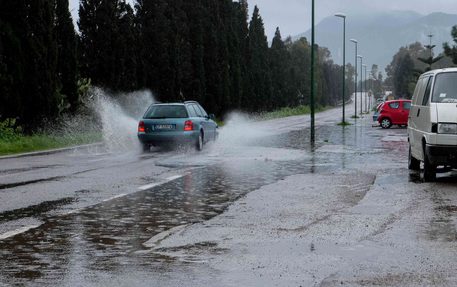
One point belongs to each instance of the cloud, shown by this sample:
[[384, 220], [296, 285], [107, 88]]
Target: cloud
[[294, 16]]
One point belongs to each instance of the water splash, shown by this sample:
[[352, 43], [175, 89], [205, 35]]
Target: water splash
[[118, 116]]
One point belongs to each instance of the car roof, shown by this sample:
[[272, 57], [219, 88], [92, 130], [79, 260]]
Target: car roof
[[439, 71], [175, 104], [168, 104], [398, 100]]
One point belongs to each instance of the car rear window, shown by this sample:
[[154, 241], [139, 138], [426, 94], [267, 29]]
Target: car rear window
[[445, 89], [394, 105], [166, 111], [407, 105]]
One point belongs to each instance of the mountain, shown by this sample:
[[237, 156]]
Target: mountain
[[381, 34]]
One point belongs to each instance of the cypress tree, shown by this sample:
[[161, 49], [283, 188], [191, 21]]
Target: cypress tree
[[155, 67], [126, 51], [279, 63], [13, 37], [196, 13], [42, 98], [67, 63], [258, 64]]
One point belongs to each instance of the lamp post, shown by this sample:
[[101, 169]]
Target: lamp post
[[361, 83], [343, 16], [370, 89], [356, 78], [364, 83], [312, 74]]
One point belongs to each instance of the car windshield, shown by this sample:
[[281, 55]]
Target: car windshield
[[166, 111], [445, 90]]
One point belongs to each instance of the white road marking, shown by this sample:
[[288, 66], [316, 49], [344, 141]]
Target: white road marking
[[142, 188], [17, 231], [168, 179], [115, 197]]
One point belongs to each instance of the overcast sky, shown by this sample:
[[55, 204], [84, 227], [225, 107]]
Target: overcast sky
[[294, 17]]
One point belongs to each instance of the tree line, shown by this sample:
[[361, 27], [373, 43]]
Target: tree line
[[211, 51], [415, 59]]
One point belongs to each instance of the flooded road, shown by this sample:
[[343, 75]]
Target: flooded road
[[353, 189]]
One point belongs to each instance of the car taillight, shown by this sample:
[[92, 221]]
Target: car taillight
[[188, 126], [141, 128]]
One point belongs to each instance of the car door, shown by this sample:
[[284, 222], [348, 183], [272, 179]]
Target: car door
[[209, 125], [394, 112], [404, 113]]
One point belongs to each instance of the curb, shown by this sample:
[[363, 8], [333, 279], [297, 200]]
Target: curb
[[51, 151]]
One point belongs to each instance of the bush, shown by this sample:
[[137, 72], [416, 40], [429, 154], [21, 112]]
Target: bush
[[9, 131]]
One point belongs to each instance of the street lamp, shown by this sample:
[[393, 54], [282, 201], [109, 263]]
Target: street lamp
[[312, 74], [361, 83], [365, 86], [343, 16], [356, 78], [370, 89]]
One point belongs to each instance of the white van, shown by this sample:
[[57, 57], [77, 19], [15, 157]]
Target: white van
[[432, 122]]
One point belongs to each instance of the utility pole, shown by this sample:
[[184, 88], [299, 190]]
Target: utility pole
[[356, 79], [340, 15], [313, 134]]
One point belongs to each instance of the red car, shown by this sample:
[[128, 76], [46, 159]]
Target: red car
[[394, 113]]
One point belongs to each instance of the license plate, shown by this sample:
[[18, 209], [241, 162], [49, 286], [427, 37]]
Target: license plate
[[164, 127]]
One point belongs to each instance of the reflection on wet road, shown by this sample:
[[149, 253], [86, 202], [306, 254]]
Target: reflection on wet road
[[108, 238]]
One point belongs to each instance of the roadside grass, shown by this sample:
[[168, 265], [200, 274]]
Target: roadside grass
[[40, 142], [288, 112], [14, 142]]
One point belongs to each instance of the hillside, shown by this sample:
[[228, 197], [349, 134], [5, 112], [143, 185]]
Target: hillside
[[381, 34]]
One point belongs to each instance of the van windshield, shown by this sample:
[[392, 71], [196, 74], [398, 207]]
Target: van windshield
[[445, 90]]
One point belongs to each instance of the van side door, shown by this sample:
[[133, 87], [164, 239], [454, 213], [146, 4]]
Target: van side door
[[424, 124], [414, 118]]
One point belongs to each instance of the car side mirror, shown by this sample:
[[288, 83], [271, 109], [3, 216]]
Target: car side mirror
[[212, 117]]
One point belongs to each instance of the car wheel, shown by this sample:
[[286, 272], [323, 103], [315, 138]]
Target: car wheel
[[413, 163], [200, 142], [146, 147], [429, 169], [386, 123]]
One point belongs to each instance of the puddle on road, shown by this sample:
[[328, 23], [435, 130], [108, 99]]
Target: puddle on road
[[442, 225], [108, 236], [35, 210]]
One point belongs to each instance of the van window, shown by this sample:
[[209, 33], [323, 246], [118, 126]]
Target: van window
[[445, 89], [418, 92], [428, 89]]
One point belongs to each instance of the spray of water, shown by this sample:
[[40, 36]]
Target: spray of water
[[240, 129], [118, 116]]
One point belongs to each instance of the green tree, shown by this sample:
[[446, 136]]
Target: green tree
[[258, 64], [42, 98], [14, 45], [154, 47], [452, 51], [279, 64], [67, 61]]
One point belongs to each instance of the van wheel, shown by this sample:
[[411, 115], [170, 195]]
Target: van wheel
[[199, 145], [386, 123], [413, 163], [429, 169]]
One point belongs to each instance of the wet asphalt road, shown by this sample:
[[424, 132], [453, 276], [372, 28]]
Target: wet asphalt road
[[91, 213]]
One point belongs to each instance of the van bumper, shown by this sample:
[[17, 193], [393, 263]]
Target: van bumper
[[442, 154]]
